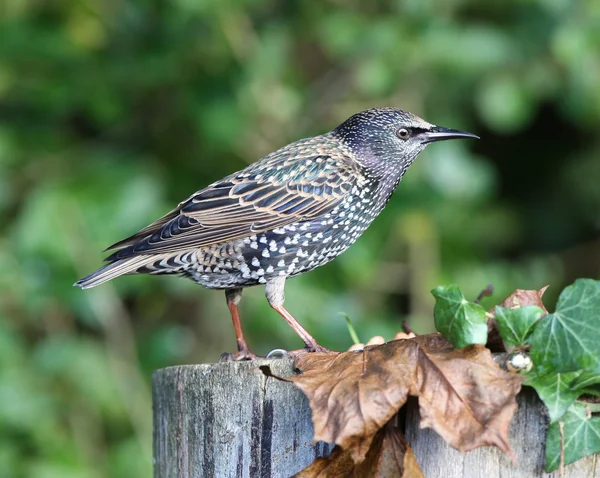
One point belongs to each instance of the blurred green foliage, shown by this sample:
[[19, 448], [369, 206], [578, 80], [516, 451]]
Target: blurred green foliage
[[111, 112]]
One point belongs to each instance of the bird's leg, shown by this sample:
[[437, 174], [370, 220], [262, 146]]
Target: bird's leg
[[274, 290], [233, 297], [309, 340]]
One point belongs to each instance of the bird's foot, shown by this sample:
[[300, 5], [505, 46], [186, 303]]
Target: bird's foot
[[277, 353], [317, 348], [310, 348], [243, 354]]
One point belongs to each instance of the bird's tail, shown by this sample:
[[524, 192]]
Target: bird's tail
[[129, 265]]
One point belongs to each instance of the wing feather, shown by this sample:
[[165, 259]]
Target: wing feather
[[281, 189]]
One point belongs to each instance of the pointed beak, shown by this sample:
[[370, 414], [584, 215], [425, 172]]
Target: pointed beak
[[437, 133]]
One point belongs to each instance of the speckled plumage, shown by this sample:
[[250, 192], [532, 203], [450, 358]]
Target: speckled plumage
[[290, 212]]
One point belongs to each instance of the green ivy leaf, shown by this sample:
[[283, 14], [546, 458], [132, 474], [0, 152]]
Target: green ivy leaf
[[516, 324], [556, 392], [594, 391], [585, 380], [569, 339], [458, 320], [581, 436]]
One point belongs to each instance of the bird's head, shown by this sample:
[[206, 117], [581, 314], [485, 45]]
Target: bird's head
[[380, 137]]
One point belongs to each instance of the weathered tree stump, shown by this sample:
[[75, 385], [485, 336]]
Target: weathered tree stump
[[229, 420]]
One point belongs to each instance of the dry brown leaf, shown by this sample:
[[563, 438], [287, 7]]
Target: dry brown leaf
[[463, 394], [389, 455], [376, 340], [354, 347], [404, 335], [523, 297], [519, 298]]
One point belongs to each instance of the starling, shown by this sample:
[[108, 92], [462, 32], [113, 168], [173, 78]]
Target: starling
[[288, 213]]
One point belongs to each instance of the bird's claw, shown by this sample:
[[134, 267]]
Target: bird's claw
[[309, 349], [237, 356], [277, 353], [226, 357], [317, 348]]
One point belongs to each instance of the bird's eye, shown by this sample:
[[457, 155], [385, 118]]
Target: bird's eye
[[403, 133]]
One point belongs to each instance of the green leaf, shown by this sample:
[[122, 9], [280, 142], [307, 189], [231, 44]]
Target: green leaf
[[581, 436], [585, 380], [594, 391], [569, 339], [556, 392], [458, 320], [516, 324]]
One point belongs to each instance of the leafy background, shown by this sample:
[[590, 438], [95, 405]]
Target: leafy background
[[111, 112]]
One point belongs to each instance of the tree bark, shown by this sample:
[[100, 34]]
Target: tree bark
[[229, 420]]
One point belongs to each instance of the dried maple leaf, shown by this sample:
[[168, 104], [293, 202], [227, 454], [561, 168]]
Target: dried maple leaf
[[389, 455], [463, 394]]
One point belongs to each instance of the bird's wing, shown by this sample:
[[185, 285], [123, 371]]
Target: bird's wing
[[277, 191]]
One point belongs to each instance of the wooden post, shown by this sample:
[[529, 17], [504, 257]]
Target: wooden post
[[527, 435], [229, 420]]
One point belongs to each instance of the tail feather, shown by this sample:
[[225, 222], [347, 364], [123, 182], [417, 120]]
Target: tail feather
[[115, 269]]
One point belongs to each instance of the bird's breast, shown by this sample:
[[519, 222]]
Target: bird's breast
[[289, 250]]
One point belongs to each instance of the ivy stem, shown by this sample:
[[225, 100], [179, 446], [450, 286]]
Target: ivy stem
[[561, 428], [488, 291], [592, 407]]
